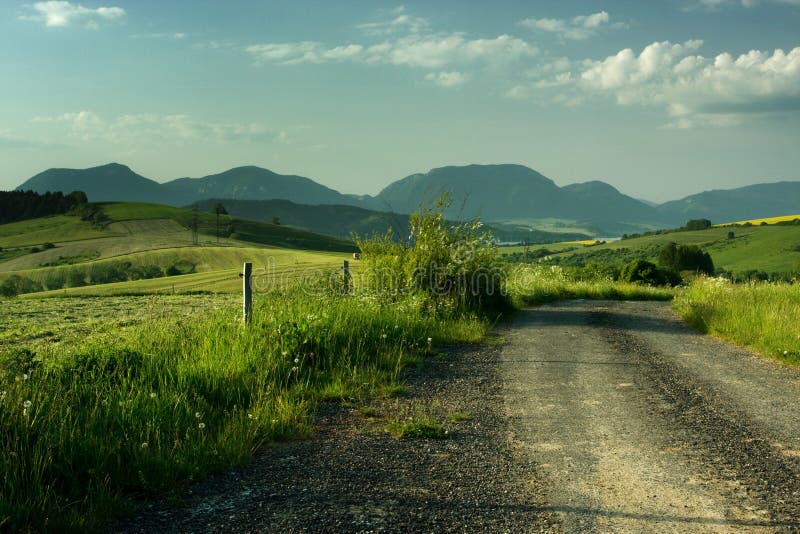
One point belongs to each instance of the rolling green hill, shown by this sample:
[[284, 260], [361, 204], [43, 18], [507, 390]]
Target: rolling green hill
[[768, 248], [148, 240]]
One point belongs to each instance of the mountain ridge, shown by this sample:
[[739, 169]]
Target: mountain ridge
[[502, 193]]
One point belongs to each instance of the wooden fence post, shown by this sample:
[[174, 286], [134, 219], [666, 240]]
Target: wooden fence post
[[247, 291], [346, 269]]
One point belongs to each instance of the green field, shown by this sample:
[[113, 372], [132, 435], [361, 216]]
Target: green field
[[768, 248], [153, 236]]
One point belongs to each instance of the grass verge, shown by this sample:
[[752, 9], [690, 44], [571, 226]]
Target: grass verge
[[762, 316]]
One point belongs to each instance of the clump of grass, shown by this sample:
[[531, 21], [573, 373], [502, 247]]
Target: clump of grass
[[369, 412], [392, 391], [458, 417], [423, 427], [758, 315]]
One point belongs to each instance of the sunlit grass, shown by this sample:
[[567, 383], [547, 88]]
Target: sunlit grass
[[537, 284], [165, 401], [758, 315]]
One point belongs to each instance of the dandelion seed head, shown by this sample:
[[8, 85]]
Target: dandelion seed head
[[786, 353], [24, 376], [430, 340], [297, 360], [145, 445], [27, 404], [201, 425], [295, 369], [383, 336], [152, 395], [198, 415]]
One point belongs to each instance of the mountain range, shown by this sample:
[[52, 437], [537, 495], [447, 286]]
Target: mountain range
[[507, 194]]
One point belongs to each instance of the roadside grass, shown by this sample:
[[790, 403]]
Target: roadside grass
[[529, 285], [161, 403], [762, 316]]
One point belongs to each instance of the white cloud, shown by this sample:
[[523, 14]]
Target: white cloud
[[147, 128], [696, 90], [577, 28], [425, 51], [715, 5], [55, 13], [447, 79], [398, 21]]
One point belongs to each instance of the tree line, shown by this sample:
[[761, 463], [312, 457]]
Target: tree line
[[22, 205]]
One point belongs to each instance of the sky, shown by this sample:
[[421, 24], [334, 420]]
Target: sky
[[661, 99]]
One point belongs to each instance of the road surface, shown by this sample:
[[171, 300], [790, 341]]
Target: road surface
[[638, 424]]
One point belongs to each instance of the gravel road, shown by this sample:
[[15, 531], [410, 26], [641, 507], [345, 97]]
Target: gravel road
[[589, 417], [635, 423]]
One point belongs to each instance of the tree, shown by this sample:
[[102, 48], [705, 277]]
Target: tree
[[698, 224], [685, 258], [218, 209], [276, 221]]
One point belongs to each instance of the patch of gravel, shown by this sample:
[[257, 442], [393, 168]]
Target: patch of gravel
[[353, 476]]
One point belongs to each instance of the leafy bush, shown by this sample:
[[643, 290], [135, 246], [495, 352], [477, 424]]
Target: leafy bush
[[452, 265], [685, 258], [644, 272]]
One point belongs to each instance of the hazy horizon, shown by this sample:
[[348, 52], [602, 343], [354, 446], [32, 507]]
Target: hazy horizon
[[659, 100]]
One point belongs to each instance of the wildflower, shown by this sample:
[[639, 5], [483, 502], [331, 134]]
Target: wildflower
[[297, 360], [27, 404], [145, 445], [2, 395], [201, 425], [786, 353], [284, 353], [295, 369], [274, 421], [24, 376], [430, 340], [249, 416], [198, 415], [383, 336], [152, 395]]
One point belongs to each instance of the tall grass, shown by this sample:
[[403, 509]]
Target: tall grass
[[530, 284], [167, 402], [758, 315]]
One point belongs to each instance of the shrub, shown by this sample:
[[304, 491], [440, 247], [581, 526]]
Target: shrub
[[16, 285], [685, 258], [645, 272], [450, 264]]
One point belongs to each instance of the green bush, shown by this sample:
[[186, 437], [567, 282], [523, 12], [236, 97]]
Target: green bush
[[685, 258], [452, 265], [644, 272]]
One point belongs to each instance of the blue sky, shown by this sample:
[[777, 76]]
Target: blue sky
[[660, 99]]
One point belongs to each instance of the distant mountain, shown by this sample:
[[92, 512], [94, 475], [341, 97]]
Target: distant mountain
[[516, 192], [730, 205], [118, 182], [248, 183], [103, 183], [506, 194]]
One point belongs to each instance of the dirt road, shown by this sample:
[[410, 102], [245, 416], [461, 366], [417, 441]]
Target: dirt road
[[637, 424]]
